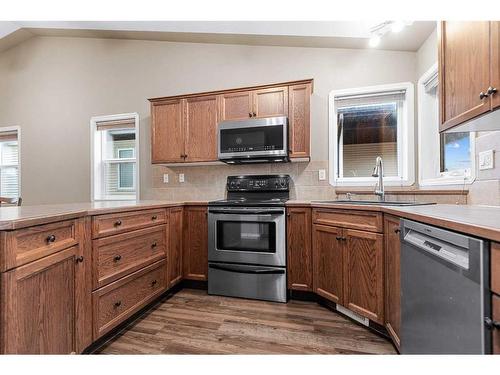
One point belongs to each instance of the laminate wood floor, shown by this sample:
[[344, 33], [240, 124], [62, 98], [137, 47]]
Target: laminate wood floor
[[192, 322]]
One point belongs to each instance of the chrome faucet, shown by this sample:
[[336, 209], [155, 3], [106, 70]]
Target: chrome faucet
[[378, 171]]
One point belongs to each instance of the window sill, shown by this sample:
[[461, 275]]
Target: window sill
[[116, 198], [405, 192], [447, 181], [370, 182]]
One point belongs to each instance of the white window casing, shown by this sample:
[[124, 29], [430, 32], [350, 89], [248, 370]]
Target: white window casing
[[106, 161], [405, 136], [10, 162]]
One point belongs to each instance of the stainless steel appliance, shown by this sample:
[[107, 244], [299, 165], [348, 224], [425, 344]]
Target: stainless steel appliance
[[444, 291], [253, 140], [247, 238]]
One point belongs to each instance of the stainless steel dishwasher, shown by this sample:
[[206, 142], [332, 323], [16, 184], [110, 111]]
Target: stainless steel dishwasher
[[444, 291]]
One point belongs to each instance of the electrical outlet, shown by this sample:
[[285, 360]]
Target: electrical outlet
[[486, 160], [165, 178], [181, 177], [322, 174]]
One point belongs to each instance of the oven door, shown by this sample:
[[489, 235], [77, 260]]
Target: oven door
[[253, 139], [247, 235]]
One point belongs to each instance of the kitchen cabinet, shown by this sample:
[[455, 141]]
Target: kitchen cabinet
[[200, 129], [348, 261], [184, 128], [468, 70], [174, 257], [496, 317], [392, 311], [299, 114], [195, 257], [299, 249], [363, 273], [328, 258], [167, 132], [495, 62]]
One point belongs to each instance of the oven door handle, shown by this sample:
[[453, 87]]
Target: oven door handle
[[247, 212], [250, 270]]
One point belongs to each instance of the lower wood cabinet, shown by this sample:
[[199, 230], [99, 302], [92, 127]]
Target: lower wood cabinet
[[392, 278], [195, 256], [38, 315], [299, 249], [348, 269], [117, 301], [496, 317], [328, 258], [174, 254]]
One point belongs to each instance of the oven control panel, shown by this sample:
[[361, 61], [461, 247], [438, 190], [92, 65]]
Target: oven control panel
[[258, 183]]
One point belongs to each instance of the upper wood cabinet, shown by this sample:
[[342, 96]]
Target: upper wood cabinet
[[468, 70], [392, 270], [200, 129], [495, 62], [167, 132], [299, 248], [195, 257], [184, 128]]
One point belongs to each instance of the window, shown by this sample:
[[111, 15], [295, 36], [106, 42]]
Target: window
[[115, 150], [444, 159], [9, 162], [370, 122]]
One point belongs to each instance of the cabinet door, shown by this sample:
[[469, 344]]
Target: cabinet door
[[299, 255], [167, 138], [363, 270], [328, 262], [235, 105], [464, 71], [496, 317], [174, 258], [270, 102], [200, 128], [392, 278], [38, 313], [299, 107], [495, 63], [195, 257]]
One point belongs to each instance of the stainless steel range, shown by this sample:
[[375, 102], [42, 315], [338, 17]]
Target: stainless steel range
[[247, 238]]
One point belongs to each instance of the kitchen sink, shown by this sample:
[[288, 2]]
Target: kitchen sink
[[375, 203]]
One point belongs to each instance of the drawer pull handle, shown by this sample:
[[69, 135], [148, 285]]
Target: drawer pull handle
[[51, 238], [153, 245], [154, 217], [79, 259], [338, 238], [117, 258], [118, 223], [153, 283], [118, 304], [397, 230]]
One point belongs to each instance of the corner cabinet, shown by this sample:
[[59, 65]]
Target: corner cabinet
[[184, 128], [469, 72], [299, 248], [195, 256], [174, 255]]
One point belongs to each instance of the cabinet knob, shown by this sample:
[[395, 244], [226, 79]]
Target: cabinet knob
[[397, 230], [491, 324], [153, 283], [51, 238], [491, 90], [249, 114], [117, 258], [153, 245], [482, 95], [254, 114], [118, 223], [338, 238], [118, 303], [154, 217], [79, 259]]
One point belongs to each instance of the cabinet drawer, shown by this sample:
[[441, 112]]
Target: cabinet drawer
[[117, 301], [117, 256], [106, 225], [26, 245], [362, 220]]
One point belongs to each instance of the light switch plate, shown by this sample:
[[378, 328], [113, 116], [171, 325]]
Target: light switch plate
[[322, 174], [181, 177], [165, 178], [486, 160]]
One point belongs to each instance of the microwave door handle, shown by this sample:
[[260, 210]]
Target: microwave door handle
[[245, 212], [248, 270]]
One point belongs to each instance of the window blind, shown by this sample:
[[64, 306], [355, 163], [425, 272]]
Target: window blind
[[369, 99], [116, 124], [9, 164]]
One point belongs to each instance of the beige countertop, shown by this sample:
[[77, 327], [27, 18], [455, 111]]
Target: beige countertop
[[480, 221]]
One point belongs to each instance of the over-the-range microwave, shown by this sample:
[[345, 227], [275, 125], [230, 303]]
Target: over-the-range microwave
[[258, 140]]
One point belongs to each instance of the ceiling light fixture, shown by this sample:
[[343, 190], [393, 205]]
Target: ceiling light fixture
[[380, 30], [374, 41], [397, 26]]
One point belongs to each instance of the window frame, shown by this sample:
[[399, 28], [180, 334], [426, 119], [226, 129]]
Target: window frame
[[17, 129], [444, 178], [97, 169], [405, 136]]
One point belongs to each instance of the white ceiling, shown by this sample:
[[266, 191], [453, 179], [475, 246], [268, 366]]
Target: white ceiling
[[334, 34]]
